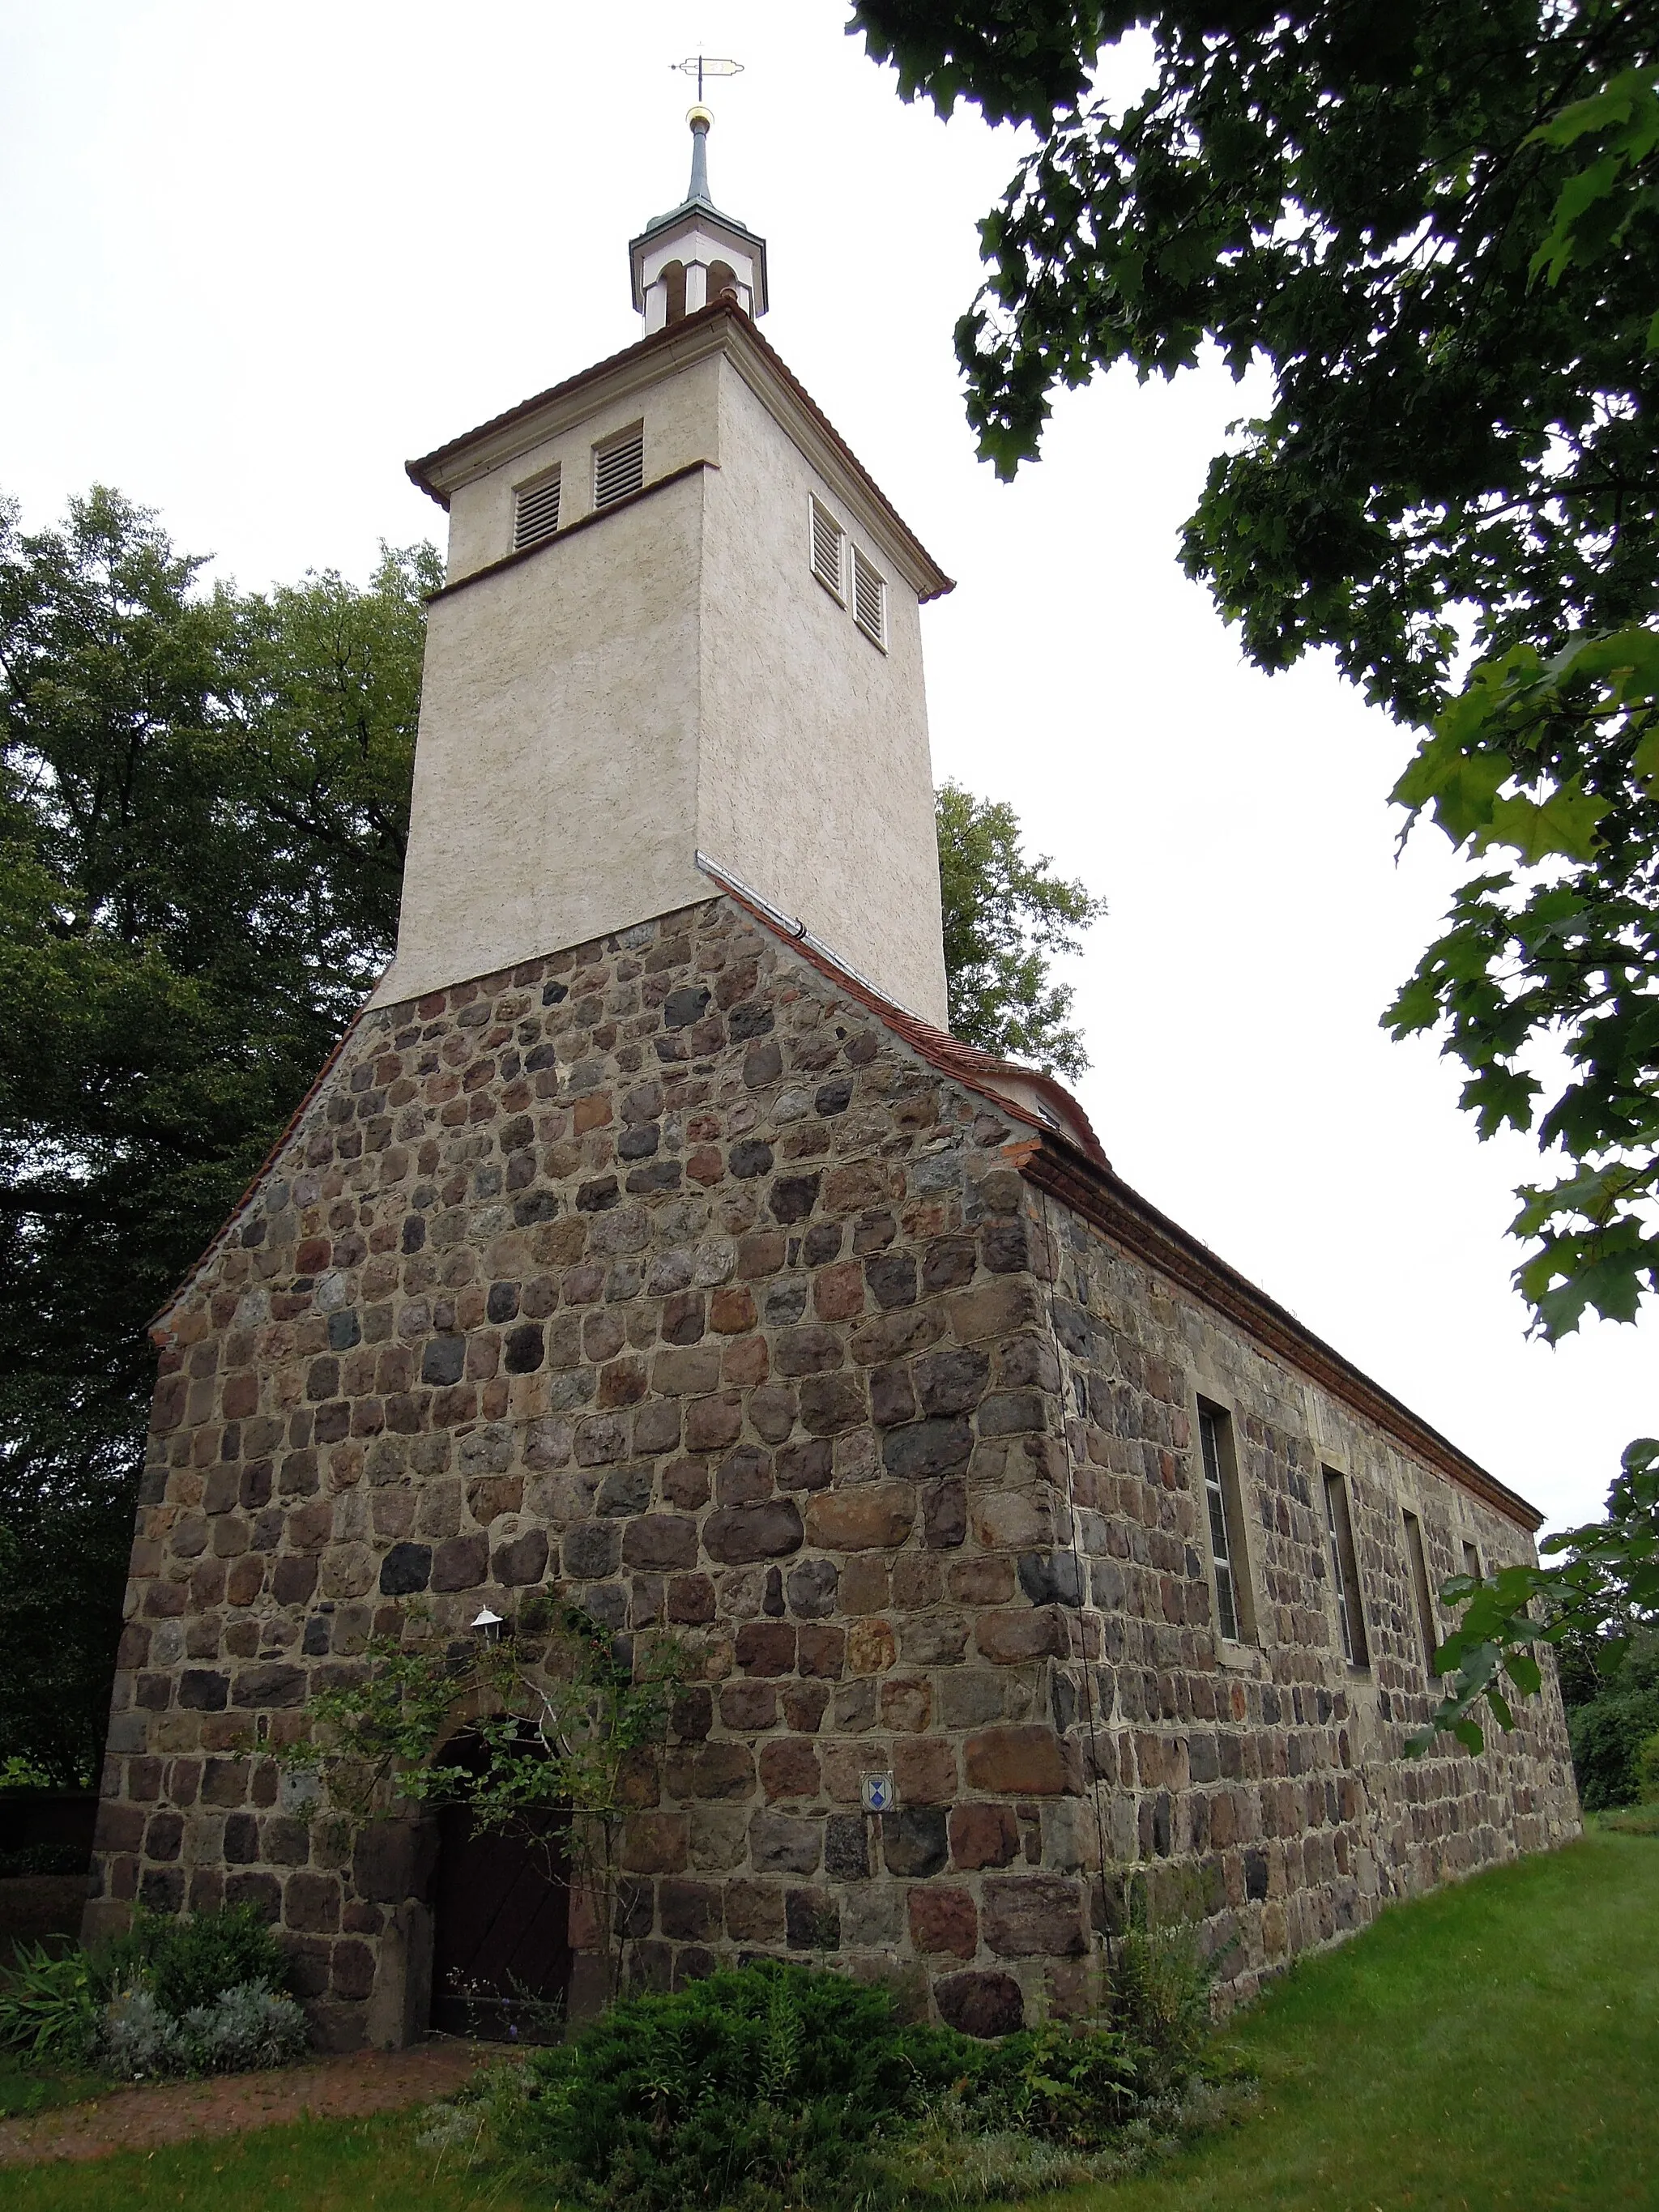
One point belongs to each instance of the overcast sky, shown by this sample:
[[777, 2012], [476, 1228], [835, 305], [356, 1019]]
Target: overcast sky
[[256, 256]]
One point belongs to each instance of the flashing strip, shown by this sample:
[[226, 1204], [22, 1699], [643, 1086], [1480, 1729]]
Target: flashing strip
[[795, 927]]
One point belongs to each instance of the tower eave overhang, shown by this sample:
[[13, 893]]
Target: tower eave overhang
[[719, 327]]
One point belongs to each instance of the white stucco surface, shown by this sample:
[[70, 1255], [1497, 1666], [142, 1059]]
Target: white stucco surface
[[814, 780], [556, 767], [667, 678]]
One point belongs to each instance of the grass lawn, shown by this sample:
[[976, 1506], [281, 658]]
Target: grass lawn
[[315, 2165], [1493, 2046], [22, 2093]]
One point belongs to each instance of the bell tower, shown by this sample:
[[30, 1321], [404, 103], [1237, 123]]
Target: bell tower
[[679, 643]]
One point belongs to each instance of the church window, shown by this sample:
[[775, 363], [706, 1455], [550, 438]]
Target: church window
[[722, 278], [1222, 1503], [535, 511], [827, 543], [619, 466], [869, 600], [1344, 1572], [1472, 1561], [673, 284], [1419, 1567]]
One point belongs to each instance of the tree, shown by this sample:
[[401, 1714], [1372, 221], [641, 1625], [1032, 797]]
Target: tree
[[1436, 226], [202, 796], [1603, 1595], [1004, 917]]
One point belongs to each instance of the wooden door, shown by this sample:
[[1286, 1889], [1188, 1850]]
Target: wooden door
[[501, 1965]]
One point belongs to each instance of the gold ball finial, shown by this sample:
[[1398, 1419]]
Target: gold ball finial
[[699, 114]]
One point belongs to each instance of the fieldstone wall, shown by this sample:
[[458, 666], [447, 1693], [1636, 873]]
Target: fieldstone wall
[[664, 1271], [1264, 1784]]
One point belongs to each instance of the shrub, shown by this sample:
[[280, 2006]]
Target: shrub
[[1080, 2082], [1070, 2083], [1646, 1770], [186, 1963], [772, 2085], [137, 2041], [1608, 1736], [205, 1995], [760, 2082], [244, 2029], [49, 2006], [1159, 2002]]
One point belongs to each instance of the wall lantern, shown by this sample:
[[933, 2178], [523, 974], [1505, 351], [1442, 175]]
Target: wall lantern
[[488, 1624]]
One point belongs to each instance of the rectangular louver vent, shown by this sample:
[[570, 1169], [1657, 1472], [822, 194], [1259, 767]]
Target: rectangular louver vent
[[826, 551], [535, 512], [619, 467], [869, 600]]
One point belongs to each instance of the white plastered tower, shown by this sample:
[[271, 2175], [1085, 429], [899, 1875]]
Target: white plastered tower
[[679, 643]]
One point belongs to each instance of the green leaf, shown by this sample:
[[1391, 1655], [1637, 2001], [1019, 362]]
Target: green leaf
[[1577, 195], [1464, 790], [1632, 650], [1613, 104], [1565, 823], [1524, 1672]]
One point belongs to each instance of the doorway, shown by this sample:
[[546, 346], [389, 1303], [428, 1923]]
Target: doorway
[[500, 1967]]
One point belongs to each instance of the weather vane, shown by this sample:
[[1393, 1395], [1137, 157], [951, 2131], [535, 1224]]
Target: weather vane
[[702, 65]]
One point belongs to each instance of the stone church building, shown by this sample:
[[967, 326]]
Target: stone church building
[[647, 1238]]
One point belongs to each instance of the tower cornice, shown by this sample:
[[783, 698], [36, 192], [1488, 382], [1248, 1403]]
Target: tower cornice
[[722, 328]]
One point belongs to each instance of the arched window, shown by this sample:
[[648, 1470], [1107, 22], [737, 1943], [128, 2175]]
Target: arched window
[[673, 282], [723, 277]]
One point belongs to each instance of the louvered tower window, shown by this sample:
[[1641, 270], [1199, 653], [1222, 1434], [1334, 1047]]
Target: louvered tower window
[[827, 547], [619, 466], [535, 511], [869, 600]]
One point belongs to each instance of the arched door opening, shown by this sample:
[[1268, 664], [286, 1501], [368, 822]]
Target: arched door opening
[[500, 1967]]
